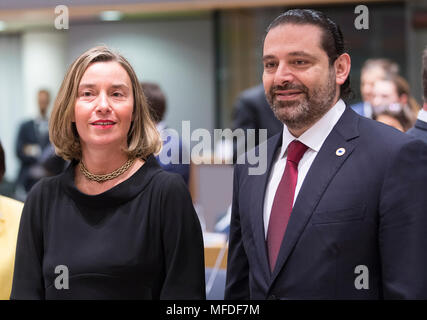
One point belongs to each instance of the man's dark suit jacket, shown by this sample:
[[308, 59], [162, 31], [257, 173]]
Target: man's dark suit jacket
[[419, 131], [367, 207], [28, 135]]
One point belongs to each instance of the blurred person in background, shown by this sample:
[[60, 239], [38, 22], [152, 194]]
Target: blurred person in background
[[420, 129], [49, 163], [173, 147], [33, 138], [395, 115], [10, 213], [394, 90], [372, 71], [121, 226]]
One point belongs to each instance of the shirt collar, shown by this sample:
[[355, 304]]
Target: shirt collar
[[422, 115], [39, 118], [317, 133]]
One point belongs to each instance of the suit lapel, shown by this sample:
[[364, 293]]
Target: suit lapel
[[257, 214], [323, 169]]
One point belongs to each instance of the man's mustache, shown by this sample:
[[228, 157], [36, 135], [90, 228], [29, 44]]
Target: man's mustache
[[288, 86]]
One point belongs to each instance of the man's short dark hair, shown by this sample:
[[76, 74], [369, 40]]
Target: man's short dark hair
[[156, 100], [425, 74], [332, 41], [2, 162]]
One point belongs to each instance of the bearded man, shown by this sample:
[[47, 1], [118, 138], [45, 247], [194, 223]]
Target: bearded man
[[341, 211]]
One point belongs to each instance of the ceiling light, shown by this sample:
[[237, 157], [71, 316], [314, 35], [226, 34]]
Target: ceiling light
[[111, 15]]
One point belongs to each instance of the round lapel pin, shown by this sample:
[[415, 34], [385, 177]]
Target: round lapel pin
[[340, 152]]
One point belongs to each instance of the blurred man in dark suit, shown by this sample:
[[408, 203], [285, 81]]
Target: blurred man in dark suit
[[420, 129], [341, 211], [33, 137], [170, 158], [252, 111]]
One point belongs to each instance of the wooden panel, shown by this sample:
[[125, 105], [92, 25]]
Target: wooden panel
[[211, 254]]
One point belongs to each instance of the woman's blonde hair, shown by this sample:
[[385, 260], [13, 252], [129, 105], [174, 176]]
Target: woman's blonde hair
[[143, 137]]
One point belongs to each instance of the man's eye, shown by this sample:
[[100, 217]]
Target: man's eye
[[269, 65], [300, 62]]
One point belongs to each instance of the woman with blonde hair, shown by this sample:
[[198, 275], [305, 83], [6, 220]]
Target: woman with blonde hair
[[114, 225]]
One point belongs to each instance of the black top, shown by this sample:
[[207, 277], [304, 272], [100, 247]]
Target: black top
[[139, 240]]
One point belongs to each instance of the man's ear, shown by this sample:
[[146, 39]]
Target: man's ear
[[342, 68]]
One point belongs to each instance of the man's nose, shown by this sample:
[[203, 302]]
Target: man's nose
[[283, 74]]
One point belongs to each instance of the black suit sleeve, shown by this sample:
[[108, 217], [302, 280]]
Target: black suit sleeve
[[182, 244], [403, 224], [25, 136], [245, 116], [237, 283], [28, 280]]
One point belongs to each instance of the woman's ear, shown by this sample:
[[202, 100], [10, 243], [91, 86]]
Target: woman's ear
[[342, 68], [403, 99]]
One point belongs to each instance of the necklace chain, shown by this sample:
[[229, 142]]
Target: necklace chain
[[109, 176]]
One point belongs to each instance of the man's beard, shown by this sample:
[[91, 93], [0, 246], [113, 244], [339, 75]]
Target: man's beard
[[307, 109]]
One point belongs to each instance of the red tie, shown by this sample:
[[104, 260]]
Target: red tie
[[283, 201]]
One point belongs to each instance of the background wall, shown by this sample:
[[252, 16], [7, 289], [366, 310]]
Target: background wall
[[28, 62], [11, 97], [43, 66]]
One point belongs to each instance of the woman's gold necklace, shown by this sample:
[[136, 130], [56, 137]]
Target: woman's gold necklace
[[109, 176]]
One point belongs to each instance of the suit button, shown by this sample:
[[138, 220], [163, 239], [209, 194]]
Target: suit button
[[272, 297]]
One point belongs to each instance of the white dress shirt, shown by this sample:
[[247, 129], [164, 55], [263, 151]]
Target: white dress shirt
[[367, 110], [313, 138]]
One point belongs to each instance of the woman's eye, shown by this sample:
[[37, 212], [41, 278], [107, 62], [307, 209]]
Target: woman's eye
[[118, 94], [86, 94]]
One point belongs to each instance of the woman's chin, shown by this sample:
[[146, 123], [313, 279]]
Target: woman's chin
[[104, 143]]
